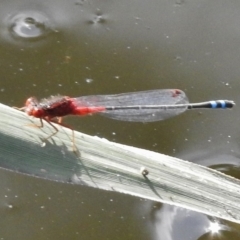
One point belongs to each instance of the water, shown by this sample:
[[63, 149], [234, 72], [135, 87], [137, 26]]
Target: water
[[97, 47]]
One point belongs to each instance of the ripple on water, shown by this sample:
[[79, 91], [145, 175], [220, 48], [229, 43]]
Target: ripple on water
[[27, 26]]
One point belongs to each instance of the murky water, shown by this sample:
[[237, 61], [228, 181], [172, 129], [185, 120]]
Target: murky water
[[86, 47]]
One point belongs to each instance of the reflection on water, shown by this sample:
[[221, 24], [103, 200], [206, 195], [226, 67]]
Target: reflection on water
[[173, 223]]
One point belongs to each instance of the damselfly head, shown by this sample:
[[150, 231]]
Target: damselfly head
[[32, 101], [32, 108]]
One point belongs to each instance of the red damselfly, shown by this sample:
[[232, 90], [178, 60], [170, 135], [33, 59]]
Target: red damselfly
[[144, 106]]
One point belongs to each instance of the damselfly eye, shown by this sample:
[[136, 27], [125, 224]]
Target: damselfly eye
[[32, 101]]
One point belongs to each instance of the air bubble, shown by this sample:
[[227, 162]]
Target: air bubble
[[89, 80]]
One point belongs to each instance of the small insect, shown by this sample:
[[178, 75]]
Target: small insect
[[144, 171]]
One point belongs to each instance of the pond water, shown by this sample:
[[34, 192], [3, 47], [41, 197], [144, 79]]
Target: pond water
[[85, 47]]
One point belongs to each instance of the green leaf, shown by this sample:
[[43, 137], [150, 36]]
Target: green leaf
[[114, 167]]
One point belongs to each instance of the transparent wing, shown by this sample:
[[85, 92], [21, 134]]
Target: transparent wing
[[157, 98]]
